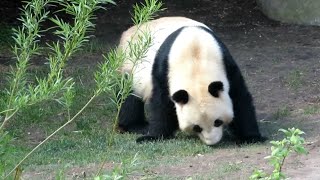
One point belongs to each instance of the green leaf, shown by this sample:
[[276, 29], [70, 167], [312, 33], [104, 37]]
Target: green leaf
[[276, 143], [299, 132], [258, 174], [300, 150], [284, 131], [294, 139], [97, 178]]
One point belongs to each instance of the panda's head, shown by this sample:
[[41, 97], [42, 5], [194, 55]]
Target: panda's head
[[204, 114], [199, 86]]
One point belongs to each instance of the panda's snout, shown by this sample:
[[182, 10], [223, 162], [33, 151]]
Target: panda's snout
[[213, 136]]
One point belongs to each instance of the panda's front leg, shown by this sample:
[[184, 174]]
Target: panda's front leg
[[163, 120], [244, 124], [131, 116]]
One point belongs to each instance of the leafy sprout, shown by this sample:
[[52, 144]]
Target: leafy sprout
[[280, 150]]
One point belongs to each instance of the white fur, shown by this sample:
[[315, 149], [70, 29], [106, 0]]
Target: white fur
[[160, 29], [194, 62], [188, 70]]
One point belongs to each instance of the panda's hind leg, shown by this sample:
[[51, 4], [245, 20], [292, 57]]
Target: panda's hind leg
[[132, 117]]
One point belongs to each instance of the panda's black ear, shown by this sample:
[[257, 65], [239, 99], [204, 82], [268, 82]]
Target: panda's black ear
[[215, 87], [181, 97]]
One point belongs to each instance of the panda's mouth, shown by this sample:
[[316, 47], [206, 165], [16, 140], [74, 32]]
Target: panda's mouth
[[213, 136]]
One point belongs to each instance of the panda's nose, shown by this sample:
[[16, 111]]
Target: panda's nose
[[218, 123]]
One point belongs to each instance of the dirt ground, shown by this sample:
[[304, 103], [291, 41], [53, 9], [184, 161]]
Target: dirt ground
[[281, 64]]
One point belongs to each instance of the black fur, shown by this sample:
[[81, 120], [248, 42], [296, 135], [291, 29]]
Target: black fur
[[215, 87], [163, 119], [131, 116], [244, 124], [181, 96], [197, 129], [218, 123]]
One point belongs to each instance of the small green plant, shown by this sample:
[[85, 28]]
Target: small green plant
[[57, 87], [107, 78], [54, 86], [117, 85], [280, 150]]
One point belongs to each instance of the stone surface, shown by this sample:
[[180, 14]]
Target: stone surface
[[292, 11]]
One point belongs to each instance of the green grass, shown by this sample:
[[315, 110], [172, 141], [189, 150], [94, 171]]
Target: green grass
[[311, 109], [79, 148], [281, 113], [295, 79], [231, 167], [83, 148], [85, 141]]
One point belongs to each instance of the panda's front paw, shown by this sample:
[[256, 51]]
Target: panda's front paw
[[146, 138]]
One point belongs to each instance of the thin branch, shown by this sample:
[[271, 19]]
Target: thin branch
[[55, 132], [6, 119]]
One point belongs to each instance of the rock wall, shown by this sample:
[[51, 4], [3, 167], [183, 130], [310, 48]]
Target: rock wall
[[292, 11]]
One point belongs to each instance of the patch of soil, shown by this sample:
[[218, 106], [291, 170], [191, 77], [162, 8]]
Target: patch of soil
[[82, 172], [305, 167], [270, 54], [239, 164], [223, 164], [231, 164]]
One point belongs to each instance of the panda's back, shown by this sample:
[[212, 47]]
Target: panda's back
[[195, 60], [160, 29]]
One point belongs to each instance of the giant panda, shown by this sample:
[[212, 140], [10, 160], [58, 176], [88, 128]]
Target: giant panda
[[190, 82]]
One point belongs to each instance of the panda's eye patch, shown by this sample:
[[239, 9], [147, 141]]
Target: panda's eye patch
[[218, 123], [197, 129], [215, 87], [181, 96]]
